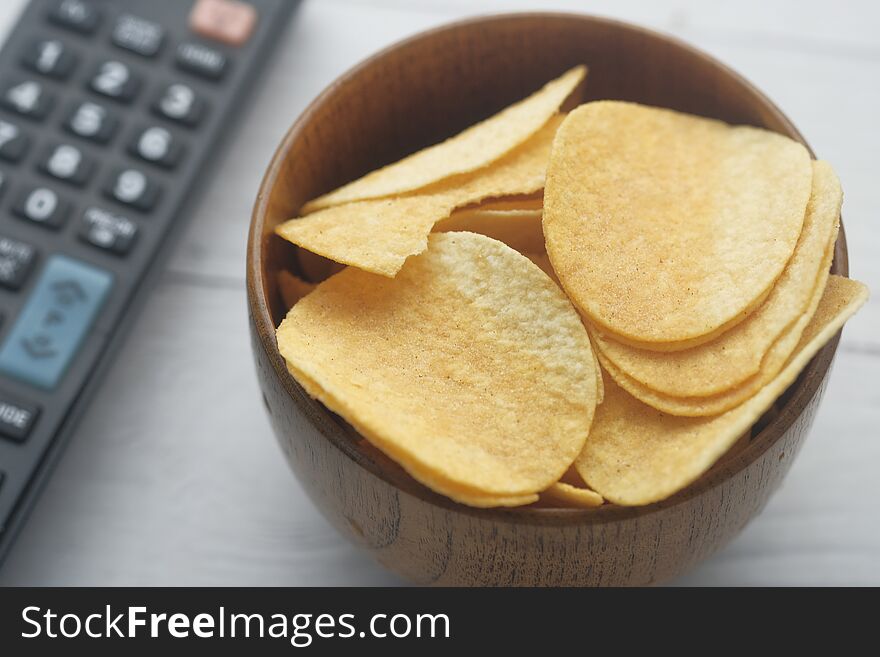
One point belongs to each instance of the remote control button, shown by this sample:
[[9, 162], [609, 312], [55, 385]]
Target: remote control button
[[228, 21], [16, 261], [138, 35], [67, 163], [201, 60], [16, 419], [91, 121], [13, 142], [49, 57], [77, 15], [178, 102], [108, 231], [55, 319], [115, 80], [28, 98], [156, 145], [43, 206], [132, 187]]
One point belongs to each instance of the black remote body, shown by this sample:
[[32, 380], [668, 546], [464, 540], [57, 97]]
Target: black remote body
[[111, 112]]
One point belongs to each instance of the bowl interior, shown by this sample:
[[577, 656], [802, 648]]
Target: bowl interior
[[432, 86]]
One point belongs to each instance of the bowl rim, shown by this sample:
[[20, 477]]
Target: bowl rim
[[801, 392]]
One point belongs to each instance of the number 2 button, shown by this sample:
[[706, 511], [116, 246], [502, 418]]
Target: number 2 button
[[115, 80]]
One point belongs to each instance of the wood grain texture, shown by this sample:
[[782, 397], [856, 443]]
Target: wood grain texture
[[447, 79]]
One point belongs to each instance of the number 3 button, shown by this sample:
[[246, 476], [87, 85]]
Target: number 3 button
[[156, 145], [178, 102]]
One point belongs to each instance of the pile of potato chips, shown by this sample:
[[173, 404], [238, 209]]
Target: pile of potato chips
[[464, 303]]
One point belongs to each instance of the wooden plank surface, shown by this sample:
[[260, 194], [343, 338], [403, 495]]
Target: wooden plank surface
[[174, 476]]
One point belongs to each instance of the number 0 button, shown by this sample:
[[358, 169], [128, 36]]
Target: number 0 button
[[43, 206], [156, 145]]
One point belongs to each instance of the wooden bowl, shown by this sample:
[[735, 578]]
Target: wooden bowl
[[414, 94]]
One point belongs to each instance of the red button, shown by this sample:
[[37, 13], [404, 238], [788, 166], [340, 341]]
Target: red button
[[229, 21]]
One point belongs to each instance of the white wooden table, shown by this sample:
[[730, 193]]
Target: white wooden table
[[174, 476]]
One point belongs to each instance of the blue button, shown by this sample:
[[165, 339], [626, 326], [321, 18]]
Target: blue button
[[55, 319]]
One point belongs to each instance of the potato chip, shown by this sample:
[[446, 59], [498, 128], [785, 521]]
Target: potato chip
[[438, 367], [519, 229], [636, 455], [464, 496], [292, 287], [572, 496], [527, 202], [714, 404], [470, 150], [666, 229], [736, 355], [378, 236]]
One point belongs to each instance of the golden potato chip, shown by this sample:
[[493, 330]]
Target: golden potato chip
[[529, 202], [718, 403], [637, 455], [463, 496], [472, 149], [518, 229], [736, 355], [572, 496], [437, 367], [378, 236], [292, 287], [666, 229]]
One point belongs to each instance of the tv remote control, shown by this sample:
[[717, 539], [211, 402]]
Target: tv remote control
[[110, 115]]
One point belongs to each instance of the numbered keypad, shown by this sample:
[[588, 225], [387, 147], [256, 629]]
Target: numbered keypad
[[156, 145], [28, 98], [115, 80], [42, 206], [50, 57], [132, 187], [13, 142], [91, 121], [68, 163], [178, 102]]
